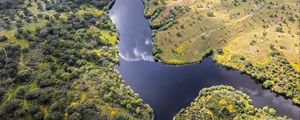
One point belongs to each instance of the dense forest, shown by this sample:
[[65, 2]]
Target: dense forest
[[225, 103], [58, 60], [256, 37]]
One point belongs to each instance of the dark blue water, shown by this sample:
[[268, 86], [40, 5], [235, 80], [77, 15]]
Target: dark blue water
[[166, 88]]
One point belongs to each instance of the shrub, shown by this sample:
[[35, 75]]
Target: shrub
[[54, 116], [267, 84], [220, 51], [44, 98], [33, 110], [32, 95], [178, 34], [291, 18], [10, 106], [20, 92], [210, 14], [19, 113], [279, 29], [38, 116], [3, 38]]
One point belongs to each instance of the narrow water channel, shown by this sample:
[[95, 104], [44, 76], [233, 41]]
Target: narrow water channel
[[168, 88]]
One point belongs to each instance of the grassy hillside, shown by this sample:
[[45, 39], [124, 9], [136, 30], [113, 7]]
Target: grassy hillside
[[225, 103], [259, 37], [58, 60]]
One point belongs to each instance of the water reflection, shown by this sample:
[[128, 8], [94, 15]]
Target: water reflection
[[169, 88]]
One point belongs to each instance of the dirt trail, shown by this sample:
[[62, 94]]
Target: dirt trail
[[230, 23]]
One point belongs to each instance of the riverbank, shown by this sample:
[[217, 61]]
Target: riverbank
[[58, 60], [243, 38], [169, 88]]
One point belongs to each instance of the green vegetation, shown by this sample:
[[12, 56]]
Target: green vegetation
[[58, 60], [58, 57], [258, 37], [225, 103], [277, 75]]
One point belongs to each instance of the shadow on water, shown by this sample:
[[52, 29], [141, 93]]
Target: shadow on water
[[168, 88]]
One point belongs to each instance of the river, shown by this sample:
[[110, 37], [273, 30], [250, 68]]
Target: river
[[169, 88]]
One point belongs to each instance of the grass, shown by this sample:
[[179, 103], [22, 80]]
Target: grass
[[89, 9], [112, 111], [10, 93], [23, 43], [43, 65], [10, 34], [247, 34], [174, 61], [35, 11], [110, 36], [232, 26], [97, 51]]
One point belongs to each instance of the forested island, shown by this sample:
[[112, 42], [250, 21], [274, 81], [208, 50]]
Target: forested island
[[256, 37], [57, 61], [225, 103]]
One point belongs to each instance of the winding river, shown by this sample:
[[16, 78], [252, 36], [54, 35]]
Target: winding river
[[168, 88]]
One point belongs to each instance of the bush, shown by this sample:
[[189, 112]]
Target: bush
[[20, 92], [120, 117], [44, 97], [54, 116], [267, 84], [3, 38], [291, 18], [32, 95], [33, 110], [58, 106], [220, 51], [10, 106], [46, 83], [38, 116], [279, 29], [86, 111], [178, 34], [75, 116], [23, 76], [19, 113], [210, 14]]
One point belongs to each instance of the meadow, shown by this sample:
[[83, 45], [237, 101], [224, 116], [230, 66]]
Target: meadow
[[256, 37]]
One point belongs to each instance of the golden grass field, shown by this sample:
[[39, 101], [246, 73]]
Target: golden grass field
[[246, 28], [241, 33]]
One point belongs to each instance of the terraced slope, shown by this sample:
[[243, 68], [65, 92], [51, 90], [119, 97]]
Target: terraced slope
[[259, 37], [225, 103], [58, 60]]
